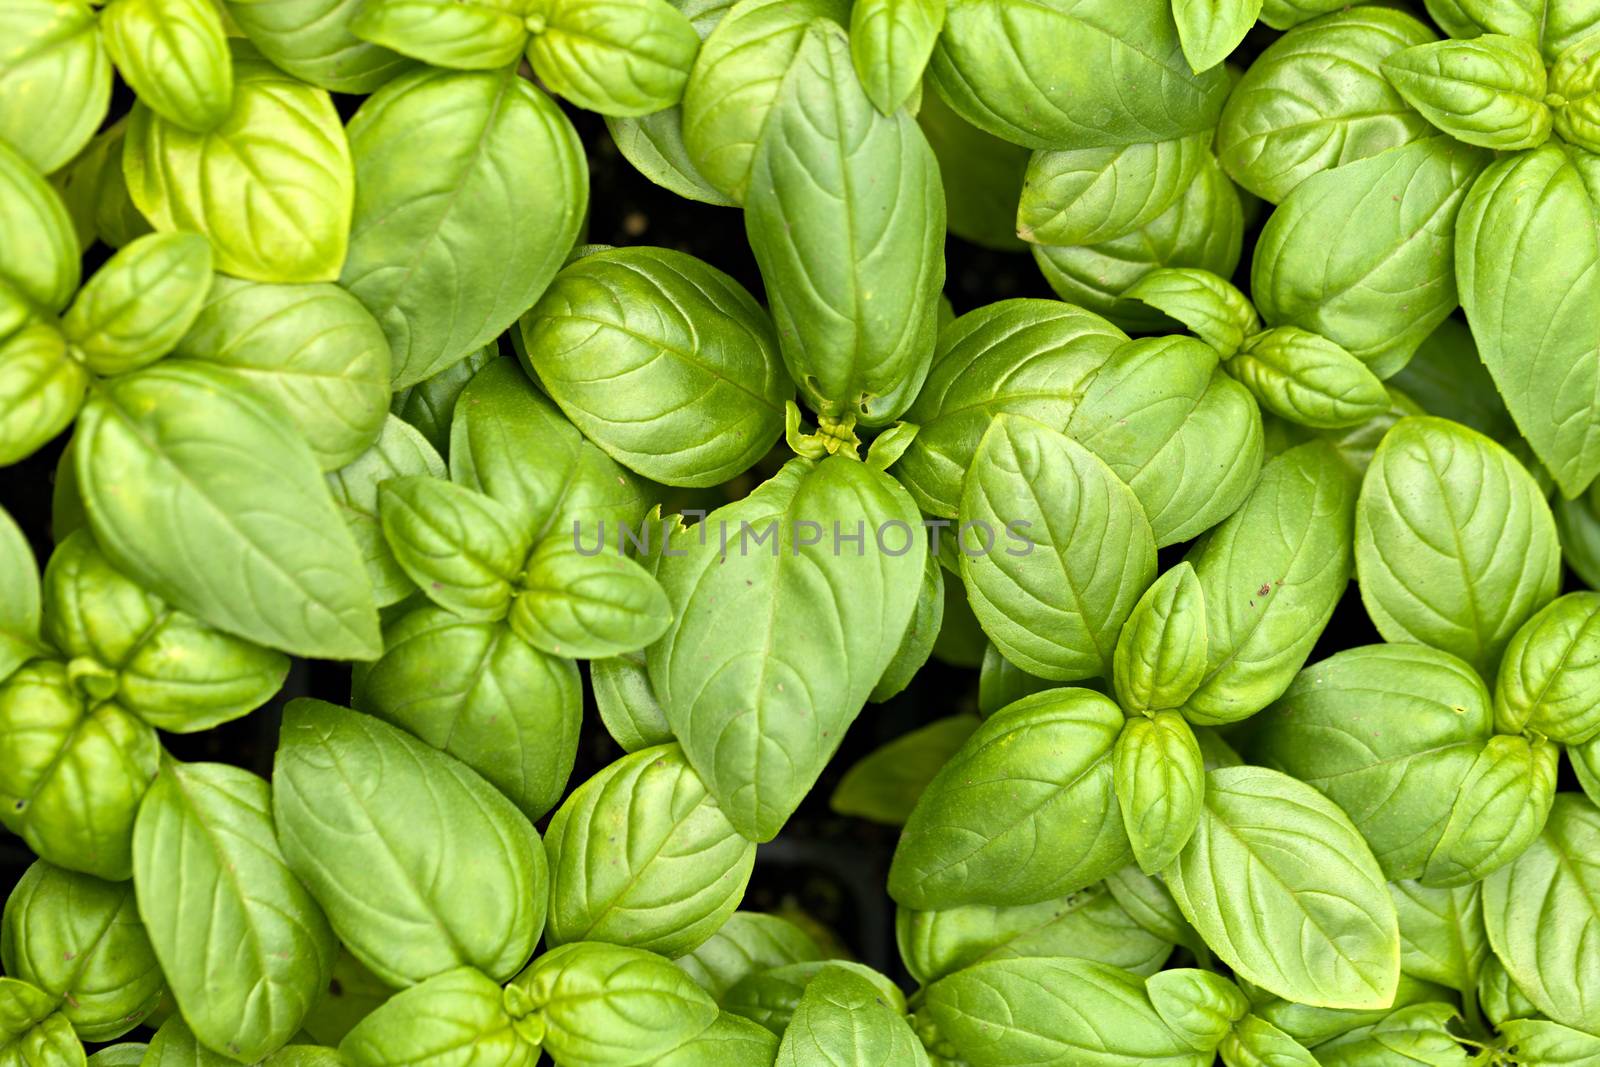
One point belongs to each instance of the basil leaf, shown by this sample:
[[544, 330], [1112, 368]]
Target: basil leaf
[[601, 1005], [478, 692], [137, 306], [1536, 344], [1503, 803], [1160, 656], [1184, 436], [279, 567], [730, 1041], [921, 635], [399, 452], [1088, 195], [96, 192], [1553, 27], [747, 943], [1014, 1012], [1575, 105], [782, 623], [437, 292], [1388, 732], [463, 549], [55, 65], [460, 36], [1199, 1006], [1544, 681], [771, 997], [312, 40], [311, 348], [1434, 567], [1292, 538], [1419, 1033], [1211, 29], [627, 702], [174, 55], [1317, 99], [574, 604], [1029, 357], [1442, 938], [680, 870], [1308, 380], [842, 1019], [38, 249], [244, 948], [1488, 91], [1040, 769], [71, 777], [32, 1031], [885, 784], [1254, 1041], [80, 939], [890, 42], [420, 865], [1211, 307], [1447, 378], [1086, 924], [845, 215], [1001, 682], [281, 149], [1286, 892], [1159, 777], [174, 1045], [511, 443], [453, 1019], [615, 58], [19, 598], [1149, 904], [981, 175], [1313, 270], [1035, 74], [1053, 605], [430, 405], [124, 1054], [1544, 1042], [663, 361], [42, 387]]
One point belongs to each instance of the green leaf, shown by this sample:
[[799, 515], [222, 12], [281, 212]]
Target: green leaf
[[842, 1019], [1040, 73], [478, 692], [1487, 91], [125, 1054], [19, 598], [244, 948], [96, 192], [1527, 263], [1199, 1006], [1317, 99], [1441, 933], [1308, 379], [1040, 769], [885, 784], [1418, 1033], [1455, 546], [277, 565], [981, 175], [1052, 600], [399, 452], [1501, 806], [32, 1031], [730, 1041], [1271, 575], [1149, 904], [463, 549], [663, 361], [353, 993], [1314, 270], [587, 606], [71, 777], [1547, 676], [1553, 27], [417, 260], [511, 443], [481, 35], [1254, 1042], [1203, 229], [736, 80], [1285, 891], [771, 997], [845, 214], [311, 348], [420, 865], [641, 855], [890, 42], [1544, 1042], [1447, 379], [1160, 657], [601, 1005], [779, 633], [38, 247], [174, 1045], [1086, 924], [453, 1019], [1211, 307], [41, 387], [1010, 1013], [54, 65], [614, 57], [1211, 29], [923, 632], [1184, 436], [1088, 195], [1159, 777], [174, 55], [1575, 95], [747, 943], [80, 939], [1001, 682], [1028, 357], [627, 702], [430, 405], [281, 150], [137, 306], [312, 40]]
